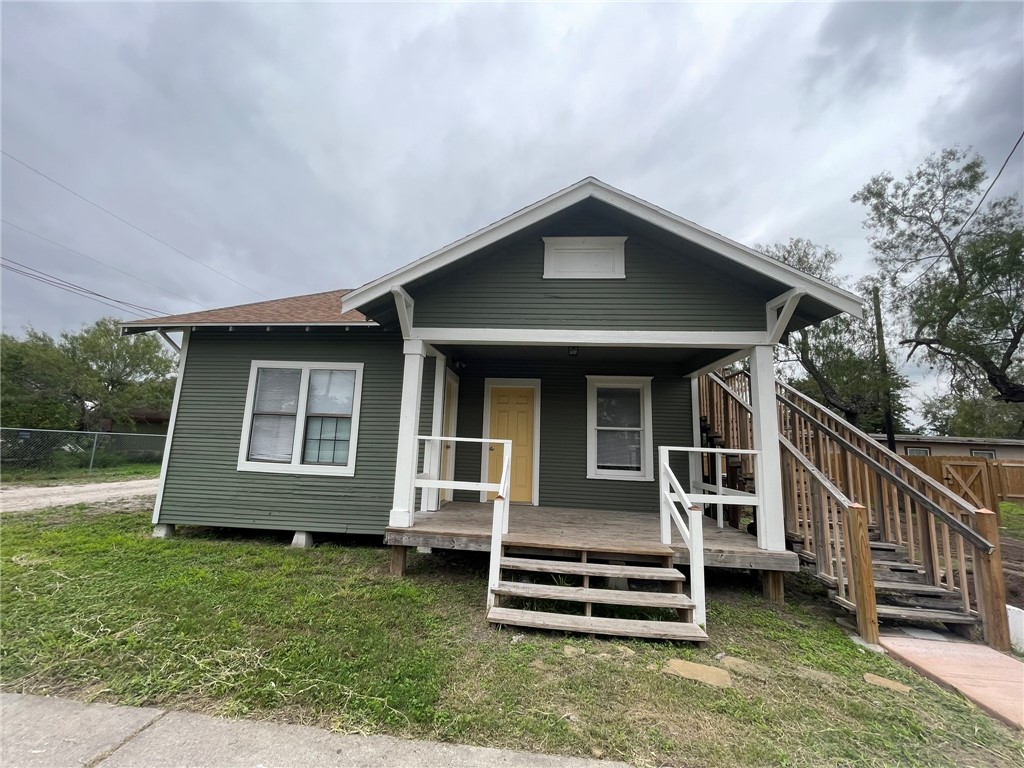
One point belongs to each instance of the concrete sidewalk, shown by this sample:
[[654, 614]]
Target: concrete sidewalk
[[992, 680], [43, 732]]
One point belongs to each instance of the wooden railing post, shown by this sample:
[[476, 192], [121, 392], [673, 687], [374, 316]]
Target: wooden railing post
[[992, 600], [858, 553]]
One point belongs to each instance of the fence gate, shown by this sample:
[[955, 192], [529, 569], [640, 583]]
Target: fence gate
[[972, 478]]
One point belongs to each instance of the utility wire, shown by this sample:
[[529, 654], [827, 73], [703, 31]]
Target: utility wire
[[994, 180], [133, 226], [67, 285], [100, 261], [17, 271], [977, 208], [78, 287]]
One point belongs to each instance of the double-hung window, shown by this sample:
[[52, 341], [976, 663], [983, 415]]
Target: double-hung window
[[301, 418], [620, 445]]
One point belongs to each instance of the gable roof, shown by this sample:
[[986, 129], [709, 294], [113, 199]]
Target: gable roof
[[310, 309], [840, 299]]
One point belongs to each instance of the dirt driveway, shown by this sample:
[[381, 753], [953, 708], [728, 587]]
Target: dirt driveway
[[24, 498]]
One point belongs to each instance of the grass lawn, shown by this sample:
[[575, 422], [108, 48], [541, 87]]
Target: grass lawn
[[78, 475], [238, 624], [1011, 519]]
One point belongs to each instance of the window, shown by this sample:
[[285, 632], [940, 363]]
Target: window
[[584, 258], [984, 453], [619, 440], [919, 451], [301, 418]]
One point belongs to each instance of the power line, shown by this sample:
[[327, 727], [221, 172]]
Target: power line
[[976, 208], [78, 287], [58, 282], [67, 285], [994, 180], [17, 271], [100, 261], [133, 226]]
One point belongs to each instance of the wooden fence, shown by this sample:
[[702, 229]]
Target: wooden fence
[[981, 482]]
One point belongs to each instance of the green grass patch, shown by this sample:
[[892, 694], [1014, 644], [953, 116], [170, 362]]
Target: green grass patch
[[77, 475], [1011, 519], [235, 623]]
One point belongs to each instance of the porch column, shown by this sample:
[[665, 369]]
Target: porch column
[[404, 500], [771, 524]]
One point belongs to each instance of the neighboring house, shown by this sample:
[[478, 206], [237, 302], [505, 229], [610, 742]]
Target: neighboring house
[[142, 421], [995, 448], [578, 332]]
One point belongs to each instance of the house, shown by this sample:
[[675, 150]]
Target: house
[[992, 448], [540, 389]]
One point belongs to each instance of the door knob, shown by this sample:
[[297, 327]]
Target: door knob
[[491, 448]]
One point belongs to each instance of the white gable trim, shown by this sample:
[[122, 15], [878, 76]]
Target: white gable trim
[[590, 187]]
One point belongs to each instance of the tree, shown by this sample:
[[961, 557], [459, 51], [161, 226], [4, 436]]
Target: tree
[[959, 266], [973, 416], [33, 383], [82, 380], [838, 360]]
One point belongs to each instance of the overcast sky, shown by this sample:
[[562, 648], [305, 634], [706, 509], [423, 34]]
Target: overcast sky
[[299, 148]]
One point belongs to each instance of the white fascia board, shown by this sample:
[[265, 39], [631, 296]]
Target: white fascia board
[[581, 338], [839, 298], [146, 327]]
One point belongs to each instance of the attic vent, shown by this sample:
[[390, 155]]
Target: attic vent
[[584, 258]]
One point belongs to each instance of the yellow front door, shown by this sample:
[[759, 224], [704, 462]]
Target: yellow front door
[[512, 419]]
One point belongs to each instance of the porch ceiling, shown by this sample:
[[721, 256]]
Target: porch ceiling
[[688, 359]]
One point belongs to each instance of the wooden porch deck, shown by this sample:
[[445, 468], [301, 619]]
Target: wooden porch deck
[[467, 525]]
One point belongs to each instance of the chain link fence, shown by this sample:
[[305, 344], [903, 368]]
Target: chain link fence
[[54, 449]]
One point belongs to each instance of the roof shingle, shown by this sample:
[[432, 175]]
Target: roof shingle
[[313, 308]]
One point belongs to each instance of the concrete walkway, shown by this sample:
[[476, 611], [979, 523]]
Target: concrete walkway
[[43, 732], [992, 680]]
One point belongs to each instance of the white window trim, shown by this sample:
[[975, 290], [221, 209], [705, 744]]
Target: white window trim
[[910, 448], [643, 383], [296, 467], [613, 247], [984, 453]]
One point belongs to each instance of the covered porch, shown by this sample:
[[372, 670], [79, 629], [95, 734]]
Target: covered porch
[[467, 526]]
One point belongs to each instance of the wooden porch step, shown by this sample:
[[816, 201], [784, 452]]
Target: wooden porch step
[[926, 614], [658, 630], [591, 569], [911, 588], [885, 546], [589, 595], [909, 613], [894, 565], [608, 546]]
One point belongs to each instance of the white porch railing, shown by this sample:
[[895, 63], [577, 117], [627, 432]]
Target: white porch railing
[[429, 479], [718, 493], [691, 530]]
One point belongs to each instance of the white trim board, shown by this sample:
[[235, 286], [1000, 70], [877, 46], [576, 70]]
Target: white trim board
[[170, 425], [584, 338], [485, 431], [590, 187]]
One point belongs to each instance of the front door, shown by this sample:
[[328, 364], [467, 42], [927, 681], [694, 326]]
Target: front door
[[512, 410]]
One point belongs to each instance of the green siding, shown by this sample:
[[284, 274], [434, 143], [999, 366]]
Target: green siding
[[204, 487], [663, 290], [563, 437]]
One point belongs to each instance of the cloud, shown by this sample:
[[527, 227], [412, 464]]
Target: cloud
[[305, 147]]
